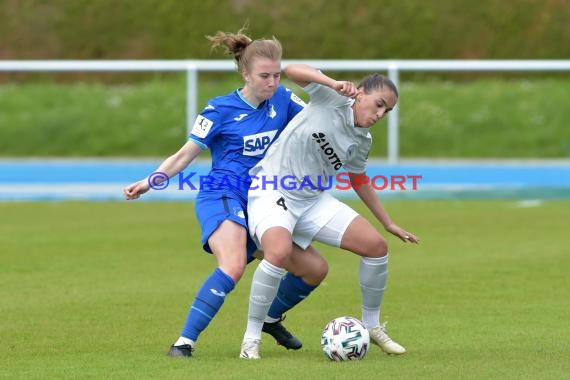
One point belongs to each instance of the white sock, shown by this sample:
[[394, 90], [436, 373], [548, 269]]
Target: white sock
[[268, 319], [183, 340], [373, 276], [264, 286], [371, 318]]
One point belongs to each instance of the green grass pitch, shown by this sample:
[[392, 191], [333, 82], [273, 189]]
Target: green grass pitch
[[100, 290]]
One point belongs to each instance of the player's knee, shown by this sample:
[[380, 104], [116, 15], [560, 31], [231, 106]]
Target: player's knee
[[235, 270], [315, 271], [312, 273], [375, 246], [321, 269], [278, 256]]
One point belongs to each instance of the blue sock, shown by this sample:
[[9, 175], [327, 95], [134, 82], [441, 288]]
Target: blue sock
[[292, 290], [208, 301]]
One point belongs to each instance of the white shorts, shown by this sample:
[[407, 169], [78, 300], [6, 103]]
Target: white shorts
[[323, 218]]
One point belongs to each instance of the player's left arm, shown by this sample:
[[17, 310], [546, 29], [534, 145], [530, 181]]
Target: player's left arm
[[366, 193], [303, 75]]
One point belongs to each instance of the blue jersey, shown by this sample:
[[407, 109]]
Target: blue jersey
[[238, 135]]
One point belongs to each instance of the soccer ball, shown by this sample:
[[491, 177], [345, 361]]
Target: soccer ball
[[345, 338]]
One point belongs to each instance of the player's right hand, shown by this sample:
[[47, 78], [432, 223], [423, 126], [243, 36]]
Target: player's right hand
[[135, 190]]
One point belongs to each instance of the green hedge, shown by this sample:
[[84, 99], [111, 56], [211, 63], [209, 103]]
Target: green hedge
[[175, 29]]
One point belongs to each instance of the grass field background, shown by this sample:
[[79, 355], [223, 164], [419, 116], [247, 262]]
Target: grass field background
[[100, 290]]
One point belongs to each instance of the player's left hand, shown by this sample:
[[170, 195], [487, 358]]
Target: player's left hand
[[345, 88], [404, 235]]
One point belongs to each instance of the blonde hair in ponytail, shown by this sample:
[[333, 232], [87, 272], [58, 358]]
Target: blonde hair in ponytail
[[244, 49]]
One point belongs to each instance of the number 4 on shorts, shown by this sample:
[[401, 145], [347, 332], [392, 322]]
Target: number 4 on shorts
[[281, 202]]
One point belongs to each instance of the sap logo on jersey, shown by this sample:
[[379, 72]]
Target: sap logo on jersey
[[255, 145]]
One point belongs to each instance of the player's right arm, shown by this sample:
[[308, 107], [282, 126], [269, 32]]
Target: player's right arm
[[171, 166]]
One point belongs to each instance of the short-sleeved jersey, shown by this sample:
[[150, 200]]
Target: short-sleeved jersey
[[238, 134], [319, 141]]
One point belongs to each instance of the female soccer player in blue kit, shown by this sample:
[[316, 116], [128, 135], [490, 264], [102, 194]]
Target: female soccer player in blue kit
[[238, 128]]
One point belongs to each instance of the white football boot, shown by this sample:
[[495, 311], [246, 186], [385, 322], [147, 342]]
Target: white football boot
[[250, 349], [379, 337]]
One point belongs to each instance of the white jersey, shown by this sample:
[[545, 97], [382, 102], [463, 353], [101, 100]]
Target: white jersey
[[318, 141]]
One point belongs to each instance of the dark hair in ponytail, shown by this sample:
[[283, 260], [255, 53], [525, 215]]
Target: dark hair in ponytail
[[375, 82]]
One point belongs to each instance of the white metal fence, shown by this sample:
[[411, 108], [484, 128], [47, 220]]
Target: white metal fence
[[193, 67]]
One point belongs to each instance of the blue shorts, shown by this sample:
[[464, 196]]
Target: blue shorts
[[213, 207]]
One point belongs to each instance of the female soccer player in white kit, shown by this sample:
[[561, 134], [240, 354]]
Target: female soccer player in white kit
[[332, 131]]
